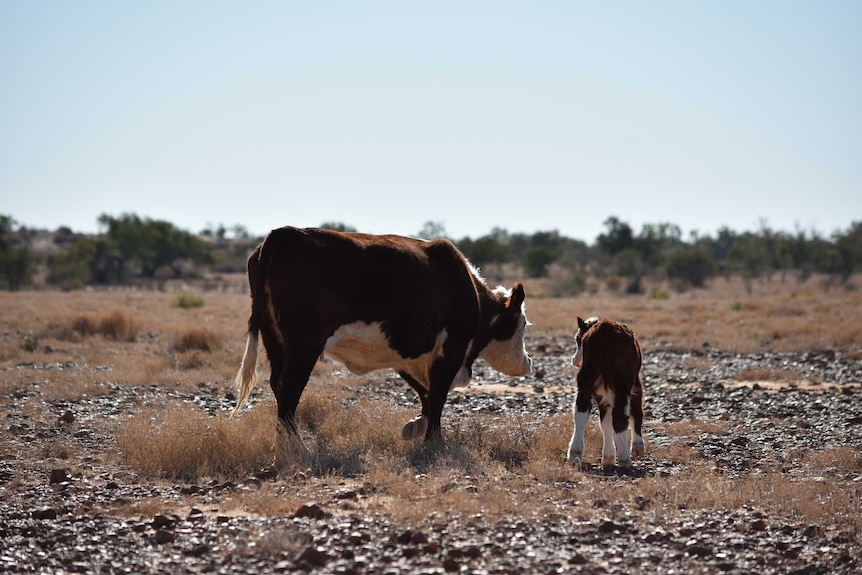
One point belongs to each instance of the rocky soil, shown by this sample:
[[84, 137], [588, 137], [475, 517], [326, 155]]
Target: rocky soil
[[48, 522]]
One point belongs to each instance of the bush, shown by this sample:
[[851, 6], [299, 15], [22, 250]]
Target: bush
[[197, 338], [692, 266], [187, 300]]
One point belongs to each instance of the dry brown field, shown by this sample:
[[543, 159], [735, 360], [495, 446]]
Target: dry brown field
[[118, 453]]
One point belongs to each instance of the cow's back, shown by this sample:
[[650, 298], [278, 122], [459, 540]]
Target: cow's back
[[614, 349], [318, 280]]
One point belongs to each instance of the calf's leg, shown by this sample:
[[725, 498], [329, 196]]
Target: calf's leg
[[581, 416], [586, 379], [637, 417]]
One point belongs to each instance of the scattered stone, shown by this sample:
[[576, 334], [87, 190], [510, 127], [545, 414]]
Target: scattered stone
[[163, 536], [315, 556], [311, 510], [46, 513], [58, 476], [164, 521]]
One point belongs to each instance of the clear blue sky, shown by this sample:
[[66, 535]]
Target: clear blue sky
[[530, 116]]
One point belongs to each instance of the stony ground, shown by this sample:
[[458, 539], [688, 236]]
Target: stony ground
[[50, 523]]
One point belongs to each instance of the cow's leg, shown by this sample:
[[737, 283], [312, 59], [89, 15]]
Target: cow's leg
[[581, 413], [436, 400], [442, 374], [637, 417], [418, 426], [288, 389]]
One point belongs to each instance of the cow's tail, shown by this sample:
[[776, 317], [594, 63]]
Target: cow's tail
[[246, 377]]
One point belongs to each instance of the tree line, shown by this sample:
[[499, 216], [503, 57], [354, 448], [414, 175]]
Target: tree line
[[129, 248]]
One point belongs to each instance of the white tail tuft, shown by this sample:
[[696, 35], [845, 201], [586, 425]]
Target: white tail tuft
[[246, 378]]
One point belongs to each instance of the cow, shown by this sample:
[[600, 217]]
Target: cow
[[374, 302], [609, 359]]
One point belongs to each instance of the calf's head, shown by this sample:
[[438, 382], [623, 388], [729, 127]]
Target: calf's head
[[583, 326], [505, 351]]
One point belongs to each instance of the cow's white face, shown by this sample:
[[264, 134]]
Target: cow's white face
[[509, 356]]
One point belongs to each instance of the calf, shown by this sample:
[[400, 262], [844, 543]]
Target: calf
[[374, 302], [609, 357]]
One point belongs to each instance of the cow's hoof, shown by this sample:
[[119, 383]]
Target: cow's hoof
[[575, 457], [638, 451], [609, 460], [415, 428]]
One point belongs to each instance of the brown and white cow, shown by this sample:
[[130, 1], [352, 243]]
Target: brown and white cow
[[374, 302], [609, 357]]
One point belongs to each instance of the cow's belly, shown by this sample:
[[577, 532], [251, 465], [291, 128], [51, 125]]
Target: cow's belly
[[363, 348]]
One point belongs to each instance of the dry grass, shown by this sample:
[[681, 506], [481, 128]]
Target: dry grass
[[197, 338], [495, 467], [185, 444], [773, 316], [492, 466]]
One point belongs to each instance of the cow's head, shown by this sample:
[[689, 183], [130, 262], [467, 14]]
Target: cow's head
[[583, 326], [505, 351]]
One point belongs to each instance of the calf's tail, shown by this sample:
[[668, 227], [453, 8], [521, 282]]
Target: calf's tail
[[246, 377]]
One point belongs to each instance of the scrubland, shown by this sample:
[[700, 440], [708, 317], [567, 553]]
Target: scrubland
[[115, 407]]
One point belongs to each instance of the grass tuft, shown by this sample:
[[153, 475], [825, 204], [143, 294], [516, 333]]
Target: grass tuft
[[197, 339]]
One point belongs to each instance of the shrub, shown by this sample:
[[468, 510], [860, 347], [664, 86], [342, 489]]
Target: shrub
[[116, 325], [187, 300], [659, 294], [197, 338], [119, 326]]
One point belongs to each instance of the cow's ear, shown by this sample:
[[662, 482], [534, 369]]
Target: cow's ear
[[582, 325], [517, 297]]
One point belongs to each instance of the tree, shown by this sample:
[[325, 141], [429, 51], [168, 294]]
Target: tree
[[337, 227], [692, 266], [431, 230], [655, 241], [73, 268], [152, 244], [618, 237], [537, 259], [16, 263], [849, 247], [485, 250]]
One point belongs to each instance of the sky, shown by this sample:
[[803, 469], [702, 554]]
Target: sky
[[383, 116]]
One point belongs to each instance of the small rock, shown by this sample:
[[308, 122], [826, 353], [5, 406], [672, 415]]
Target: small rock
[[315, 556], [161, 521], [58, 476], [163, 536], [312, 510], [608, 527], [252, 483], [46, 513], [67, 417], [698, 550], [197, 550]]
